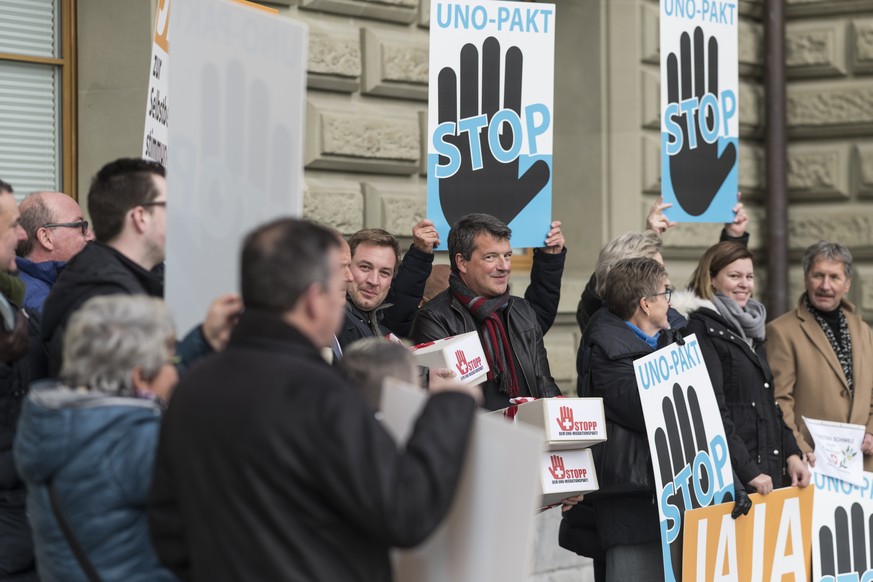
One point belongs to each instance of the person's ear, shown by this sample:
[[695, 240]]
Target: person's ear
[[461, 262], [44, 238], [644, 306], [140, 383]]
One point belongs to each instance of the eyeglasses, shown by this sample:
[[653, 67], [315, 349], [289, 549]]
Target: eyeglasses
[[83, 224], [161, 203], [668, 293]]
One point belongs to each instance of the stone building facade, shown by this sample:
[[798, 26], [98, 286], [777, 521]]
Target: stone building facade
[[366, 127]]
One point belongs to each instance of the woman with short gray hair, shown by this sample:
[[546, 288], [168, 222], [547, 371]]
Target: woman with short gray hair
[[85, 445]]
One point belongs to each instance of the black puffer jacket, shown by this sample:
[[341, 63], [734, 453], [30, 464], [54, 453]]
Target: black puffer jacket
[[761, 442], [445, 316], [625, 508]]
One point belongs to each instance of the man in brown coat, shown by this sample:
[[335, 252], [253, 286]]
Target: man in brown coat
[[821, 353]]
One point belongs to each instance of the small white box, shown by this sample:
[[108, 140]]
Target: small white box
[[566, 474], [463, 354], [568, 423]]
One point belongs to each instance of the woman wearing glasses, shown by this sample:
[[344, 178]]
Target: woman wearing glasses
[[730, 330], [637, 296]]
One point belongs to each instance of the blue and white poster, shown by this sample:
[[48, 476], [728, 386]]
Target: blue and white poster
[[689, 449], [490, 115], [699, 109], [842, 529]]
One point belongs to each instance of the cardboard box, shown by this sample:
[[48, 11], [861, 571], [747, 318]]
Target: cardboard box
[[568, 423], [461, 353], [565, 474]]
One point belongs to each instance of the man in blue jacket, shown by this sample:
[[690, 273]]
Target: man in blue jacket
[[56, 232]]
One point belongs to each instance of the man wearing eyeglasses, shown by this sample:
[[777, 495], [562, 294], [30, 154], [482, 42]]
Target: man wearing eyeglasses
[[56, 232], [128, 205]]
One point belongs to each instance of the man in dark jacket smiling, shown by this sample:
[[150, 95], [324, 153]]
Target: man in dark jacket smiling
[[270, 465], [478, 299]]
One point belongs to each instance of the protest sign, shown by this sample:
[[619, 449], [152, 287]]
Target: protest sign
[[771, 543], [488, 533], [699, 109], [490, 115], [687, 440], [157, 108], [838, 449], [842, 529], [238, 84]]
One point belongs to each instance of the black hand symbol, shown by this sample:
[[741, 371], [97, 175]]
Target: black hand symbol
[[698, 173], [495, 188], [835, 558], [684, 438]]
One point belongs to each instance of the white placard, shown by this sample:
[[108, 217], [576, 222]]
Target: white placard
[[842, 529], [838, 449], [687, 440], [488, 533], [490, 115], [239, 85], [699, 109], [157, 114]]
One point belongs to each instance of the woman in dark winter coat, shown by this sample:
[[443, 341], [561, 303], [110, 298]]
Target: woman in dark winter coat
[[637, 295], [730, 330]]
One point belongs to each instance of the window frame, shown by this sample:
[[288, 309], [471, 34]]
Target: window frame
[[68, 106]]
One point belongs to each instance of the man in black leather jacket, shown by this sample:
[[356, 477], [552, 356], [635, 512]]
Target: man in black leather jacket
[[478, 299]]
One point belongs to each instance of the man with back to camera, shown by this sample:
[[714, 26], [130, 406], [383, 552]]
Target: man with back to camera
[[270, 465]]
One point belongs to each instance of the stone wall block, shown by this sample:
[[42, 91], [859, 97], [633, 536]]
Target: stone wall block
[[863, 168], [422, 129], [334, 59], [336, 204], [751, 175], [818, 172], [395, 210], [834, 110], [806, 8], [395, 66], [651, 160], [400, 11], [361, 140], [852, 226], [751, 47], [424, 13], [862, 48], [698, 236], [650, 32], [815, 49], [866, 285], [650, 82], [751, 102]]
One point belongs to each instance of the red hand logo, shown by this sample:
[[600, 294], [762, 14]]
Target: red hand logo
[[462, 362], [557, 468], [565, 420]]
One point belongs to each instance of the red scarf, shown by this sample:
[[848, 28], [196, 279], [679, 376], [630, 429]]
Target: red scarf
[[486, 311]]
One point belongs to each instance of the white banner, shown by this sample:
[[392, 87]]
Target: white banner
[[699, 109], [838, 449], [842, 529], [490, 115], [488, 533], [239, 87], [687, 440], [157, 108]]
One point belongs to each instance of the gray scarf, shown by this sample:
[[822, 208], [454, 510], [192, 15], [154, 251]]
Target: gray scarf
[[749, 321]]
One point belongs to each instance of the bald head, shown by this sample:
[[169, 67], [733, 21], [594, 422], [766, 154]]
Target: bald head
[[54, 225]]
